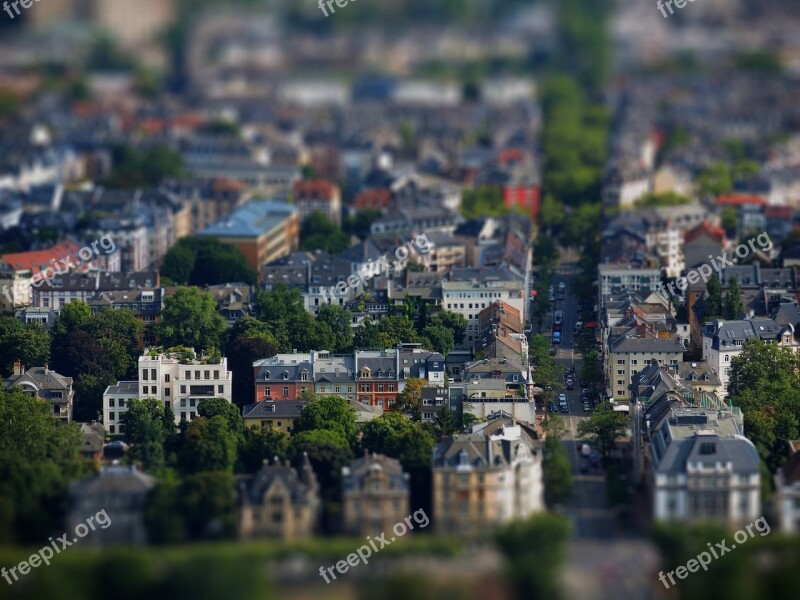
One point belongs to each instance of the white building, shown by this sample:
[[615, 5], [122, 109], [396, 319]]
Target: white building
[[724, 340], [615, 279], [703, 468], [787, 491], [469, 291], [115, 402], [179, 381]]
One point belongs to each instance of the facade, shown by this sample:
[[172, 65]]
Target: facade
[[178, 381], [787, 491], [319, 196], [120, 491], [616, 279], [703, 468], [48, 385], [375, 495], [115, 402], [263, 231], [278, 502], [486, 478], [628, 355], [724, 340], [469, 291], [279, 416]]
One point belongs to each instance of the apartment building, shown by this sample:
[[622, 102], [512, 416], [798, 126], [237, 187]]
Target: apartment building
[[787, 491], [615, 279], [627, 355], [318, 196], [177, 378], [724, 340], [487, 478], [703, 468], [262, 230], [469, 291]]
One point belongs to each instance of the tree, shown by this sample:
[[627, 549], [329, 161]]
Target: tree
[[219, 407], [438, 338], [713, 299], [331, 413], [551, 213], [260, 445], [453, 321], [409, 401], [338, 319], [147, 427], [366, 335], [190, 318], [27, 343], [205, 503], [730, 217], [118, 333], [241, 354], [38, 458], [208, 445], [89, 390], [715, 180], [592, 370], [396, 330], [444, 422], [734, 307], [204, 261], [359, 225], [284, 312], [556, 465], [135, 168], [482, 202], [328, 452], [602, 429], [535, 550], [319, 233]]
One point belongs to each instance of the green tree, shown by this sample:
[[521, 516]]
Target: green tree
[[592, 370], [331, 413], [202, 261], [730, 218], [603, 428], [359, 224], [27, 343], [190, 318], [338, 319], [556, 465], [179, 264], [453, 321], [208, 445], [551, 213], [713, 299], [219, 407], [38, 459], [438, 338], [72, 317], [205, 503], [328, 452], [241, 354], [660, 200], [485, 201], [319, 233], [260, 445], [715, 180], [535, 551], [734, 306], [366, 335], [118, 333], [409, 401], [147, 427], [444, 422]]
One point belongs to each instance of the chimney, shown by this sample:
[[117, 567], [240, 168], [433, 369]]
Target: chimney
[[46, 371], [18, 368]]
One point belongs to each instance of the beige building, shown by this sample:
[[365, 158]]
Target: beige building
[[486, 478], [278, 502], [375, 495], [628, 355]]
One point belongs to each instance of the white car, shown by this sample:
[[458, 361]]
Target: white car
[[561, 286], [562, 398]]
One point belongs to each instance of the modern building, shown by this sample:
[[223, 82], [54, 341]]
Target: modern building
[[262, 230], [487, 478], [702, 468], [119, 492], [115, 402], [41, 382], [375, 495], [278, 502], [615, 279], [179, 379]]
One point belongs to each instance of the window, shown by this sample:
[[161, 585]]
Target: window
[[285, 392], [380, 387], [391, 387], [183, 402], [111, 429], [111, 415], [188, 375], [122, 402], [620, 382], [620, 362], [111, 403], [207, 374], [144, 374], [620, 372], [220, 389], [166, 378], [197, 374], [183, 416], [216, 374], [183, 389], [166, 392], [285, 375], [153, 375]]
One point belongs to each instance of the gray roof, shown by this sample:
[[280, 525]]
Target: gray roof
[[275, 409], [41, 378], [130, 388], [302, 487], [739, 451], [654, 345], [361, 467]]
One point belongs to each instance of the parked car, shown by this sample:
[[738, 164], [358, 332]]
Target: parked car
[[553, 407], [586, 407], [570, 384], [562, 286], [584, 384], [594, 459], [586, 449], [565, 408], [562, 398]]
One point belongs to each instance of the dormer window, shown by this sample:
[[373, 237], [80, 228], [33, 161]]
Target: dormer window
[[380, 373], [365, 373], [267, 375], [391, 373], [285, 375], [304, 375]]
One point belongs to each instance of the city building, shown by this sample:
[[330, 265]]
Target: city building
[[787, 491], [487, 478], [703, 468], [375, 495], [41, 382], [627, 355], [318, 196], [262, 230], [279, 416]]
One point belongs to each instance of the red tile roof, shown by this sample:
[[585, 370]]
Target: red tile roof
[[740, 200], [711, 230], [317, 190], [778, 212], [37, 260]]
